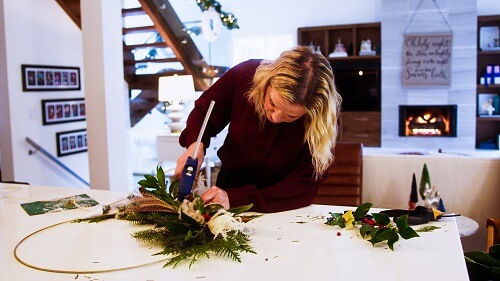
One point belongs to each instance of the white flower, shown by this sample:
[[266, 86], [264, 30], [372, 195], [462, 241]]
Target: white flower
[[223, 222], [187, 208]]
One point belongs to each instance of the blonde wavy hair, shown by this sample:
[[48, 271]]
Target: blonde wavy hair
[[303, 76]]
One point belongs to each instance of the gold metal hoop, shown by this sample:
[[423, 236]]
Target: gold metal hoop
[[73, 271]]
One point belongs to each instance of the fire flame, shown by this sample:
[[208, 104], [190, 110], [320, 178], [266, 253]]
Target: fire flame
[[427, 125]]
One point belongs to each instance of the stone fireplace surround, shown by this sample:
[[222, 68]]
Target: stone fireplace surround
[[462, 18]]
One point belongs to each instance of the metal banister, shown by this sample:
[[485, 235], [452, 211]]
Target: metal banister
[[54, 159]]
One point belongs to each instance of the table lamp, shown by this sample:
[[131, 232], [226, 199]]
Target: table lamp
[[175, 91]]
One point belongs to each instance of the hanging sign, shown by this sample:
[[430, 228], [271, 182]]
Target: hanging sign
[[427, 59]]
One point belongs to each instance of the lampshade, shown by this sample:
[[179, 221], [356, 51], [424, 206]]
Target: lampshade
[[176, 88], [174, 91]]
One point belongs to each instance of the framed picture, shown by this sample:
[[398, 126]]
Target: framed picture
[[50, 78], [489, 38], [62, 111], [71, 142], [488, 105]]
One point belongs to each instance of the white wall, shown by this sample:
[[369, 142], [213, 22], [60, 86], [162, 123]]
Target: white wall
[[39, 32], [488, 7]]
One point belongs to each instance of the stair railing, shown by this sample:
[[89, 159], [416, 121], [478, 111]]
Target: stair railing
[[54, 159]]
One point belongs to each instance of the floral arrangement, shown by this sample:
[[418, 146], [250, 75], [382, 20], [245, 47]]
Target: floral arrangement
[[377, 226], [187, 229]]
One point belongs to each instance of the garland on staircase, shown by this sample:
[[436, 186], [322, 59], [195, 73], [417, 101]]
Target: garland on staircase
[[228, 19]]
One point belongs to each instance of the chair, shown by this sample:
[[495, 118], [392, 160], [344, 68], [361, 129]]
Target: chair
[[493, 236], [344, 183]]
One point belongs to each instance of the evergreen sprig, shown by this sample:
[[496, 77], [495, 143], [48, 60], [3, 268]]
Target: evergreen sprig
[[181, 228], [228, 19], [378, 227]]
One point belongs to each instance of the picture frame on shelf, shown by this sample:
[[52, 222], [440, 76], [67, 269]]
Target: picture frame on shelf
[[489, 38], [50, 78], [488, 105], [71, 142], [56, 111]]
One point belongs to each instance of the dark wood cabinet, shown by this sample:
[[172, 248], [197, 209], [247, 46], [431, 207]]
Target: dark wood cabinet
[[360, 126], [357, 77], [487, 127]]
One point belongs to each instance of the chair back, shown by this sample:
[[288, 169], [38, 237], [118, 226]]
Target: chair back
[[493, 236], [343, 185]]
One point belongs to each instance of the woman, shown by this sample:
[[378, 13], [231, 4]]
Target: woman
[[282, 118]]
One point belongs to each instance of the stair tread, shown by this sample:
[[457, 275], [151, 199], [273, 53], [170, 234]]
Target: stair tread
[[151, 60], [189, 57], [139, 29], [133, 12], [145, 45]]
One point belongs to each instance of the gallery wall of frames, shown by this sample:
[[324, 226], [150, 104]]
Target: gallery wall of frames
[[38, 78]]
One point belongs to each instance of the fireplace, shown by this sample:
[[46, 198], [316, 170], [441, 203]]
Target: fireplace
[[428, 120]]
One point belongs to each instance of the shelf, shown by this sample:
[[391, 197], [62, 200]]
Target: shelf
[[488, 53], [376, 57], [350, 35], [488, 118], [487, 127], [494, 87]]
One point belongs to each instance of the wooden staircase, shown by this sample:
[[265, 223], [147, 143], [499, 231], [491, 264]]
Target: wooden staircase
[[172, 38]]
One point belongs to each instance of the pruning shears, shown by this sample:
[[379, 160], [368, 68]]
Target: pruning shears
[[420, 215], [189, 171]]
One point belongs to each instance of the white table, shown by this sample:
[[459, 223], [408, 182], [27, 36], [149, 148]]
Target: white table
[[293, 245]]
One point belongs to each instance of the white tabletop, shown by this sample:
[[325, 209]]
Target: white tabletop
[[293, 245]]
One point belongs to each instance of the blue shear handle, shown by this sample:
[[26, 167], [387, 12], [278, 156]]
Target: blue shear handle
[[187, 178]]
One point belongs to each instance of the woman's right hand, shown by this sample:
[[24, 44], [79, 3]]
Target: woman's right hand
[[181, 161]]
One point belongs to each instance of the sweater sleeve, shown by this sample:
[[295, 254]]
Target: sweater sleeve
[[296, 190]]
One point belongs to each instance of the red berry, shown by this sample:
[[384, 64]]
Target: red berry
[[338, 233]]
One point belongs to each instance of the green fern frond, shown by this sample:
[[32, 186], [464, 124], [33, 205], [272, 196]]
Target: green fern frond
[[152, 235]]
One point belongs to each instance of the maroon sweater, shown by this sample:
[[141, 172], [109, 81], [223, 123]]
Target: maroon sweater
[[268, 166]]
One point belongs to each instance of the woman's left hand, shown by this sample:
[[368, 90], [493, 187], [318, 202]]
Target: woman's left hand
[[216, 195]]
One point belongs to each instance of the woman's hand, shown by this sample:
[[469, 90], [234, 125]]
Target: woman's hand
[[216, 195], [181, 161]]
